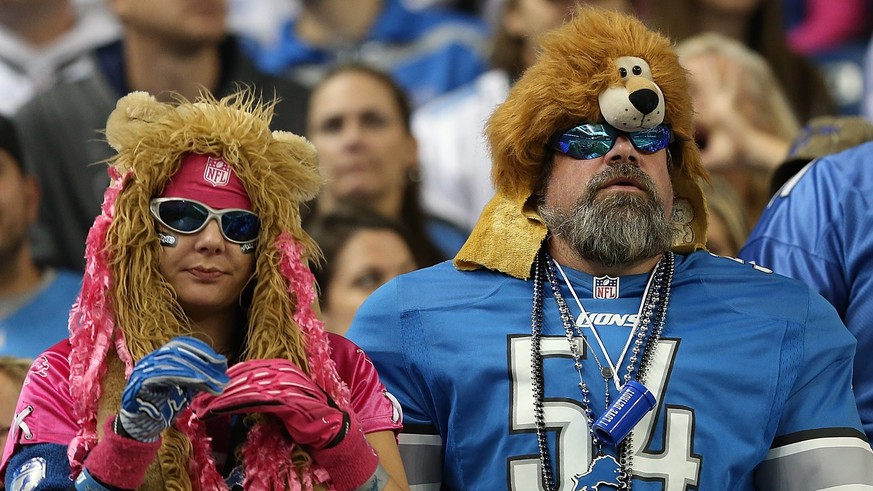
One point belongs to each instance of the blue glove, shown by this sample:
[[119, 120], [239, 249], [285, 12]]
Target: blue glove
[[163, 383]]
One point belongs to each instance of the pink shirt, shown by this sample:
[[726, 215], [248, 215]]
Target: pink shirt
[[47, 407]]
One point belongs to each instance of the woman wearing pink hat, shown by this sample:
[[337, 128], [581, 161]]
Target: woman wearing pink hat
[[198, 262]]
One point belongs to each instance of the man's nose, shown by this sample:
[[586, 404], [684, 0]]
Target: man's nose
[[623, 151]]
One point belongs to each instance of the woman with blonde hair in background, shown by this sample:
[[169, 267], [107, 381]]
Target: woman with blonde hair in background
[[359, 120], [743, 122]]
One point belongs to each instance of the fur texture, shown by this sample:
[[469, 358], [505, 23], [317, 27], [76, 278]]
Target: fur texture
[[576, 64], [126, 309]]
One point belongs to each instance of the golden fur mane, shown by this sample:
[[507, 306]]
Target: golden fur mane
[[576, 64]]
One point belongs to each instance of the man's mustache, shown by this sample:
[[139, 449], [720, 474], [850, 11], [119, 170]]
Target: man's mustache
[[621, 171]]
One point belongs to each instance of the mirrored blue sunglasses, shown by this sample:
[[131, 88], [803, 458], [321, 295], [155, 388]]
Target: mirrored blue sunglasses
[[187, 216], [588, 141]]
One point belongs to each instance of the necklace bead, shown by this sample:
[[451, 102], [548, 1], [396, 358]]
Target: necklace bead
[[655, 300]]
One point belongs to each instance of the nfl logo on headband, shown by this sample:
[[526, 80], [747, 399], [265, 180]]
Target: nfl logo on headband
[[216, 172], [605, 287]]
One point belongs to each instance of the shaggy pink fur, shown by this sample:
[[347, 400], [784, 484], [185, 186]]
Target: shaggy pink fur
[[92, 327], [301, 283]]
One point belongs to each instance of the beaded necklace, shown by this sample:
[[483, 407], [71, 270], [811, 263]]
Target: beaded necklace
[[654, 304]]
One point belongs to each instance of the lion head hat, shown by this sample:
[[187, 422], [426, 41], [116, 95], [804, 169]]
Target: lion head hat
[[601, 66], [126, 309]]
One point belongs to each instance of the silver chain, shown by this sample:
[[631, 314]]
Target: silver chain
[[655, 303]]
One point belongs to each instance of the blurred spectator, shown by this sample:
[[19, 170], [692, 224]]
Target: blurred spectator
[[728, 227], [817, 229], [834, 35], [818, 26], [742, 120], [427, 51], [168, 45], [43, 41], [13, 371], [261, 20], [867, 99], [362, 251], [758, 24], [359, 122], [821, 136], [34, 302], [474, 7], [455, 162]]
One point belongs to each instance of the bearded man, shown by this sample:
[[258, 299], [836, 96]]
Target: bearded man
[[583, 338]]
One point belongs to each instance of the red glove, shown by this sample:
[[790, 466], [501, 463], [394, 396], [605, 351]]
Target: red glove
[[312, 418]]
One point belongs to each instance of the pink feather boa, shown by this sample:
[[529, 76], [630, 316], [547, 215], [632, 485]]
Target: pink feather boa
[[301, 284], [92, 327], [92, 331]]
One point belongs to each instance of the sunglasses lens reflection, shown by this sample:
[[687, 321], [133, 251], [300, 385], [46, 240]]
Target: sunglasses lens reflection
[[182, 216], [186, 216], [240, 226], [590, 141]]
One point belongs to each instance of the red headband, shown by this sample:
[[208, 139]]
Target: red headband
[[208, 179]]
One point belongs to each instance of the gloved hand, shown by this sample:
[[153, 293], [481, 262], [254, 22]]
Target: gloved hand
[[163, 383], [278, 387], [308, 413]]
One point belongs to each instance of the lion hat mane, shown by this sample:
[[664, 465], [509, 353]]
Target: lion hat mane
[[126, 309], [577, 64]]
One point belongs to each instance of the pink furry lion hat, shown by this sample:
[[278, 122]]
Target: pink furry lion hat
[[126, 309], [581, 77]]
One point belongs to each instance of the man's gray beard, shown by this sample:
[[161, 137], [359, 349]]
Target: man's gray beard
[[615, 228]]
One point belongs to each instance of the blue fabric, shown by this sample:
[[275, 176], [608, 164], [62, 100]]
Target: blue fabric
[[57, 466], [746, 357], [817, 229], [110, 58], [86, 482], [399, 43], [793, 12], [43, 321], [447, 237]]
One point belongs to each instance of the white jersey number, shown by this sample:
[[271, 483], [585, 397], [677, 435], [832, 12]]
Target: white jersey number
[[674, 465]]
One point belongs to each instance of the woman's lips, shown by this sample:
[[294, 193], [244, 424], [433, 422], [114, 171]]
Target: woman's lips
[[205, 274]]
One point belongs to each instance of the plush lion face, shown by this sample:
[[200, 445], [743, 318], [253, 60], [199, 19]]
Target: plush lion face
[[583, 70]]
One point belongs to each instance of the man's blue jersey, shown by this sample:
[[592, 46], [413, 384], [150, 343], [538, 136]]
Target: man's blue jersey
[[818, 229], [751, 376]]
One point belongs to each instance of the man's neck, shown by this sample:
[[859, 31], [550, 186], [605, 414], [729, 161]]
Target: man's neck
[[565, 255], [326, 22], [388, 204], [38, 22], [151, 66], [19, 274]]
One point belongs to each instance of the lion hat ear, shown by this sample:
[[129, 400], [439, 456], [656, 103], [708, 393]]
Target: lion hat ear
[[150, 137], [575, 80], [132, 113]]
